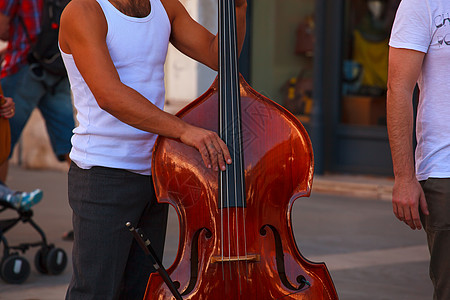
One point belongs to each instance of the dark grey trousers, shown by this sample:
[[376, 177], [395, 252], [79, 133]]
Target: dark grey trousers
[[437, 227], [107, 262]]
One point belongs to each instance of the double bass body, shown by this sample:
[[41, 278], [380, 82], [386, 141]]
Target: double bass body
[[240, 252]]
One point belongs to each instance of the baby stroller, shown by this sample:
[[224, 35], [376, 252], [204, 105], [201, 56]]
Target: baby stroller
[[15, 268]]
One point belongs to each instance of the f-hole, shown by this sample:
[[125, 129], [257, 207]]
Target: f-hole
[[194, 261], [280, 261]]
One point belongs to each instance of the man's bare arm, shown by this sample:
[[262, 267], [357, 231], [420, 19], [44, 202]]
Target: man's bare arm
[[194, 40], [83, 34], [4, 27], [408, 196]]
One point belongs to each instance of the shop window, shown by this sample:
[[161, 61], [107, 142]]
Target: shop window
[[282, 53], [365, 64], [298, 90]]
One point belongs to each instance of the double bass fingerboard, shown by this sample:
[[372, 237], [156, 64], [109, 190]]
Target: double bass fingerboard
[[231, 185]]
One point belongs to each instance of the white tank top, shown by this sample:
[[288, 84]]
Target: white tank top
[[138, 48]]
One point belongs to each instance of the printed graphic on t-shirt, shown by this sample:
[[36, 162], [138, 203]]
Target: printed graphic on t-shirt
[[442, 22]]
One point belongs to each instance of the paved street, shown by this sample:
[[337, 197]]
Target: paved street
[[371, 255]]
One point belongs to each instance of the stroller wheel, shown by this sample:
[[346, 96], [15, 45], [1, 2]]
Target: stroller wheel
[[56, 261], [40, 260], [14, 269]]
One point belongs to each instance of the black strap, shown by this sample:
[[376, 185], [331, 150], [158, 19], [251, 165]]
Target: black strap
[[49, 88]]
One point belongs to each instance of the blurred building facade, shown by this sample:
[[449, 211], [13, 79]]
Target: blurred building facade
[[325, 61]]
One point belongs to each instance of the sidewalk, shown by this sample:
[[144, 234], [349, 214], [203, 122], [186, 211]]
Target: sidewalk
[[347, 223], [363, 186]]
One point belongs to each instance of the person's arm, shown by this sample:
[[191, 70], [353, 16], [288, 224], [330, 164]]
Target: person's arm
[[194, 40], [4, 27], [7, 8], [83, 34], [408, 196]]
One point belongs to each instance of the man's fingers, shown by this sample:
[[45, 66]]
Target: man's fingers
[[404, 214], [225, 152], [415, 218], [205, 156], [411, 224], [423, 204], [407, 218], [395, 210], [214, 155], [398, 211], [212, 148], [223, 155]]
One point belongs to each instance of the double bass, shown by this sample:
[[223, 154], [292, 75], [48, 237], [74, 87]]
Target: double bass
[[236, 239], [5, 134]]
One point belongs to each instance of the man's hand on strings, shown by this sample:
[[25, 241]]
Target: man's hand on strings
[[212, 148]]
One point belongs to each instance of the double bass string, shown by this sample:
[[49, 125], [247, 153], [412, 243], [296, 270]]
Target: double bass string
[[228, 95], [234, 96], [234, 76], [221, 131], [232, 103], [235, 118], [223, 116], [232, 185], [239, 126]]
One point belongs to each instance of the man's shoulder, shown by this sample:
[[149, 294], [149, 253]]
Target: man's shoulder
[[173, 8], [82, 10], [81, 19], [82, 7]]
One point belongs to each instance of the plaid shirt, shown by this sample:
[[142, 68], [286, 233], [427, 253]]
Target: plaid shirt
[[18, 44]]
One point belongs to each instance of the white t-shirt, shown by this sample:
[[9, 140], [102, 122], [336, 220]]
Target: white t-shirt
[[138, 48], [424, 25]]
